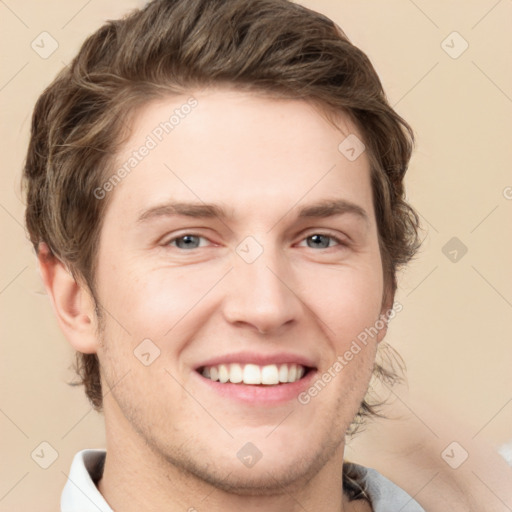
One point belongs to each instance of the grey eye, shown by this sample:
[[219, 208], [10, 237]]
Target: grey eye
[[321, 241], [186, 242]]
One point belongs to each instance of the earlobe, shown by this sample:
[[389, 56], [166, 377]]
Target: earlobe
[[382, 326], [72, 302], [387, 307]]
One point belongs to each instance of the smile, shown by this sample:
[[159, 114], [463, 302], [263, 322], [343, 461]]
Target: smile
[[253, 374]]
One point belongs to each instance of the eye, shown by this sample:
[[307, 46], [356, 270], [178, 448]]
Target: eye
[[191, 241], [322, 241], [188, 241]]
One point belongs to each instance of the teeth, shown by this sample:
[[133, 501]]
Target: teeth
[[269, 375], [292, 373], [283, 373], [223, 373], [252, 374], [236, 374]]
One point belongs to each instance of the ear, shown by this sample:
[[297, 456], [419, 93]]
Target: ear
[[386, 310], [72, 303]]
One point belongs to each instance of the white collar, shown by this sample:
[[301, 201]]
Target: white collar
[[80, 493]]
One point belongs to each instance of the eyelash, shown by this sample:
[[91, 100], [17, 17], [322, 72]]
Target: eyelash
[[338, 241]]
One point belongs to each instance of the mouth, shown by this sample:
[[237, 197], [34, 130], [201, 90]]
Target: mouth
[[255, 375], [256, 378]]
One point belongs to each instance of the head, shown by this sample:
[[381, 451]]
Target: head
[[249, 107]]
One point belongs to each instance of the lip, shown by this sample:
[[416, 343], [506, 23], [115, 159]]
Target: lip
[[260, 394], [259, 359]]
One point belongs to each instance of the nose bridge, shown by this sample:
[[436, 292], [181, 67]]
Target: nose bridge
[[260, 294]]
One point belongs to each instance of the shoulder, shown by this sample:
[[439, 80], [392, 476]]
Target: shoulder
[[384, 495]]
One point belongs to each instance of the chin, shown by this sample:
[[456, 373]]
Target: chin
[[274, 470], [263, 479]]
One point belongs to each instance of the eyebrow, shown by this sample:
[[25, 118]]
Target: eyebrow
[[322, 209]]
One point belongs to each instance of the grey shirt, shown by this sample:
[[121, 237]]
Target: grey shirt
[[80, 493]]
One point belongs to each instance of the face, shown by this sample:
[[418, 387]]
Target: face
[[238, 263]]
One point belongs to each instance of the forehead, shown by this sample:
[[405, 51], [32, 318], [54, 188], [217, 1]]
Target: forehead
[[238, 149]]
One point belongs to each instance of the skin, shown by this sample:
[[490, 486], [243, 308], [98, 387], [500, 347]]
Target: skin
[[172, 441]]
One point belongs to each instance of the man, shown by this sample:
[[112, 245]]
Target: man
[[215, 193]]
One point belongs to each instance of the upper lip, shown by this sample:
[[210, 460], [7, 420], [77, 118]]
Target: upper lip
[[258, 359]]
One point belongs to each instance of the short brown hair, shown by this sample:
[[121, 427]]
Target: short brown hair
[[274, 47]]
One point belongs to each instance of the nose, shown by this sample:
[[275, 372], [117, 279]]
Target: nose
[[261, 295]]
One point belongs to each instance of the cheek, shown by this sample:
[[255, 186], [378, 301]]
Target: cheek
[[145, 302], [346, 300], [164, 305]]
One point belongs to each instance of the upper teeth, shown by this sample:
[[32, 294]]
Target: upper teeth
[[254, 374]]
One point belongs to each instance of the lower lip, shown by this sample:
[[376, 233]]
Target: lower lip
[[260, 394]]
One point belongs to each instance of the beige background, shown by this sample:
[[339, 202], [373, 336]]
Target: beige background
[[455, 329]]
